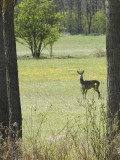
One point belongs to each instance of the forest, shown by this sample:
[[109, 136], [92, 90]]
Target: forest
[[82, 16]]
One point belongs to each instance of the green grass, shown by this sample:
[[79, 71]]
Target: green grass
[[51, 85], [72, 45]]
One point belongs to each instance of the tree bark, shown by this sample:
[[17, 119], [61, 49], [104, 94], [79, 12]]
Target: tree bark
[[113, 70], [4, 113], [79, 16], [70, 16], [15, 118]]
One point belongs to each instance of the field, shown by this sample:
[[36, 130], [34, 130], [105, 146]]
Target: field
[[72, 45], [50, 88]]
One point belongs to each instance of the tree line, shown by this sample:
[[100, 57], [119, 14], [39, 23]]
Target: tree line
[[82, 16]]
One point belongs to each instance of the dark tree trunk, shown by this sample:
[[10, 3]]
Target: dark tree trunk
[[4, 113], [91, 9], [113, 69], [15, 120], [89, 25], [51, 50], [70, 16], [79, 16]]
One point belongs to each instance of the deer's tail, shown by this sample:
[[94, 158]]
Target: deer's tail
[[97, 84]]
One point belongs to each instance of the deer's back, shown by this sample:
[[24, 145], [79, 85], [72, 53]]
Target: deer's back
[[90, 84]]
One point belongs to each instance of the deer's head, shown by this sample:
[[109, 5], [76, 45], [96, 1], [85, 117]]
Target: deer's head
[[80, 73]]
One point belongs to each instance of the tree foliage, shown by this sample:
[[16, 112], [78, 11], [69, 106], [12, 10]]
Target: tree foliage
[[52, 38], [34, 21], [79, 14], [99, 22]]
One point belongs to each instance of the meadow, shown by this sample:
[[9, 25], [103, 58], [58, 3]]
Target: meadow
[[72, 45], [50, 90], [51, 85]]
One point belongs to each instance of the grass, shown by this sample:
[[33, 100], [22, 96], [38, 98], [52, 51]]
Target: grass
[[72, 45], [53, 84], [50, 88]]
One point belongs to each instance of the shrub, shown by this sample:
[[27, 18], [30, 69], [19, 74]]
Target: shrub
[[100, 53]]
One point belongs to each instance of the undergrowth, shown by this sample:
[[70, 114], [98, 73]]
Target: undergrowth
[[77, 140]]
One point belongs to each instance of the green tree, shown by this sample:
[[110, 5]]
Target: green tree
[[33, 24], [113, 72]]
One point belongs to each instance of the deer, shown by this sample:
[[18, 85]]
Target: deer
[[88, 84]]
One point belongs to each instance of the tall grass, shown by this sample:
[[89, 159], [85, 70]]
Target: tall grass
[[76, 140], [84, 140]]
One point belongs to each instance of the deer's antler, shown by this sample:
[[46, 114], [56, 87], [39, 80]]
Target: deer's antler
[[80, 72]]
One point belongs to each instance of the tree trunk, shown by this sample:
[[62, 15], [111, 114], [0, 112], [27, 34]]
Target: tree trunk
[[113, 69], [15, 120], [51, 50], [70, 16], [4, 113], [89, 23], [79, 16]]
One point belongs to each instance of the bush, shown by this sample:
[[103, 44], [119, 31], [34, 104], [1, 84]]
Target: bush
[[100, 53]]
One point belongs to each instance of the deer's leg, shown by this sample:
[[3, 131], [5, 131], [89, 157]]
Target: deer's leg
[[85, 93], [98, 93], [97, 90]]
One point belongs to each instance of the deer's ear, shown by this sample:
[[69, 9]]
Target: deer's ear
[[83, 71]]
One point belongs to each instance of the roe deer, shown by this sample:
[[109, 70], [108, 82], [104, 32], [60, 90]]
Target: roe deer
[[88, 84]]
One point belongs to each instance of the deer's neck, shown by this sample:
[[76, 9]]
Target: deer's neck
[[81, 80]]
